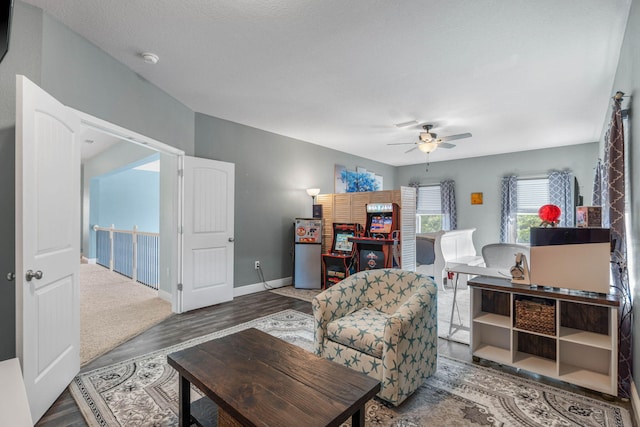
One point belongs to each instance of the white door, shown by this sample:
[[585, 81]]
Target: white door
[[207, 232], [47, 244]]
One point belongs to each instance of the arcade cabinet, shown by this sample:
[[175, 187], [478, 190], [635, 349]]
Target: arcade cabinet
[[340, 262], [379, 247]]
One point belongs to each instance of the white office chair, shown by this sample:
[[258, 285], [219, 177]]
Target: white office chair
[[502, 255]]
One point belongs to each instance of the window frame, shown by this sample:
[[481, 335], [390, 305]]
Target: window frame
[[429, 209], [538, 191]]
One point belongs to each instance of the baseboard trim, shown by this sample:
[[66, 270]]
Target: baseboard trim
[[86, 260], [164, 295], [635, 403], [259, 287]]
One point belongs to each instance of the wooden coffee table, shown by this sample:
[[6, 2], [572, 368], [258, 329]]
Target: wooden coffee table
[[258, 380]]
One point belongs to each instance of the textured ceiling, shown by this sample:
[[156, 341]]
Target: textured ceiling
[[517, 74]]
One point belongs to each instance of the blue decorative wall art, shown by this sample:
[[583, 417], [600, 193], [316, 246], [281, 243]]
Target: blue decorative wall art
[[360, 180]]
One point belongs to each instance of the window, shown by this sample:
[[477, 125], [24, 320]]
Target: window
[[429, 209], [532, 194]]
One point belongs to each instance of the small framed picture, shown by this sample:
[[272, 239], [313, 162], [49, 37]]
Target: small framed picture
[[476, 198]]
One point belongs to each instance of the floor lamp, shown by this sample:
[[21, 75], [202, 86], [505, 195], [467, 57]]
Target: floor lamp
[[317, 209]]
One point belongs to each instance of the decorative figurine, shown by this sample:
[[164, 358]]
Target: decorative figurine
[[550, 215]]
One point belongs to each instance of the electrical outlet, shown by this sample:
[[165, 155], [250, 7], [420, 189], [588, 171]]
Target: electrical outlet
[[256, 265]]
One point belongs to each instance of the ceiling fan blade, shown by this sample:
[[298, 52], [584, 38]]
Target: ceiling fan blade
[[446, 145], [406, 124], [454, 137], [410, 150], [401, 143]]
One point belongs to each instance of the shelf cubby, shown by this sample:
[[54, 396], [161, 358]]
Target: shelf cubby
[[536, 364], [536, 345], [492, 319], [586, 338]]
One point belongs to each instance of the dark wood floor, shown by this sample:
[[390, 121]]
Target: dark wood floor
[[183, 327]]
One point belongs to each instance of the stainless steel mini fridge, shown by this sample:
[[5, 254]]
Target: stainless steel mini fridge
[[307, 255]]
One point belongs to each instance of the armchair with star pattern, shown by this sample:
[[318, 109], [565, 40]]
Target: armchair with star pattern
[[382, 323]]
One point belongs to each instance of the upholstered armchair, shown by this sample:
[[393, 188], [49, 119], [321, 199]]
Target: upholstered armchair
[[383, 323]]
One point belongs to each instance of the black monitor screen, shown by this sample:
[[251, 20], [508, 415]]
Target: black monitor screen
[[5, 27]]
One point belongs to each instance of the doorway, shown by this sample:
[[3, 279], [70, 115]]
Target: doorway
[[119, 273]]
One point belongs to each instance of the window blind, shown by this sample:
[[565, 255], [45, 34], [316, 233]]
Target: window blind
[[429, 201], [532, 194]]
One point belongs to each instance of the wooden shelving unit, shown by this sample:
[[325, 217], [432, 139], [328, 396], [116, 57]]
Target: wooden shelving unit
[[582, 351]]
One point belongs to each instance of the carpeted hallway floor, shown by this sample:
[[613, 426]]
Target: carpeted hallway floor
[[114, 309]]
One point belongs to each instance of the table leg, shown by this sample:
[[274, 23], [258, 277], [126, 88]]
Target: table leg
[[184, 399], [453, 305], [357, 420]]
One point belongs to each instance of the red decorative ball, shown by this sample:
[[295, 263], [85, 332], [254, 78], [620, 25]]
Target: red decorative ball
[[549, 213]]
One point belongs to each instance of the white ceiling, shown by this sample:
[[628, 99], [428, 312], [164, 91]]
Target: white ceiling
[[517, 74], [95, 142]]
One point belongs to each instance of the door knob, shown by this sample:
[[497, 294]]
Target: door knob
[[11, 276], [31, 275], [231, 239]]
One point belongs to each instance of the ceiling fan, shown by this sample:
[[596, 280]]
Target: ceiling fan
[[428, 141]]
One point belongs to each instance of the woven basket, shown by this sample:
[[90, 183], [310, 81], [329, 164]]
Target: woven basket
[[536, 317]]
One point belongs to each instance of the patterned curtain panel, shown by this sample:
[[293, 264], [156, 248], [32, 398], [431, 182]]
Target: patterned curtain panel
[[614, 168], [448, 200], [597, 196], [509, 210], [604, 191], [560, 194], [415, 185]]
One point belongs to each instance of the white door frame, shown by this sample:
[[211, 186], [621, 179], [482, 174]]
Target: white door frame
[[139, 139]]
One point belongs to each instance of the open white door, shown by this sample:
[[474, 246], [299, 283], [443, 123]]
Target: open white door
[[47, 244], [207, 232]]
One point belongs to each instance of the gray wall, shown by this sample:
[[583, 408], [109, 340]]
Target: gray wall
[[272, 173], [628, 80], [23, 58], [483, 174]]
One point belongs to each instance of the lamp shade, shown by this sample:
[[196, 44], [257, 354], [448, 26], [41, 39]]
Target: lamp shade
[[427, 147], [313, 192]]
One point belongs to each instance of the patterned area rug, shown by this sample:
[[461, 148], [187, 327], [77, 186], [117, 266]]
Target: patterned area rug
[[143, 392]]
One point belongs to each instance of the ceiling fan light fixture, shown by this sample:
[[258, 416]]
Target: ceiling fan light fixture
[[427, 147], [426, 137]]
